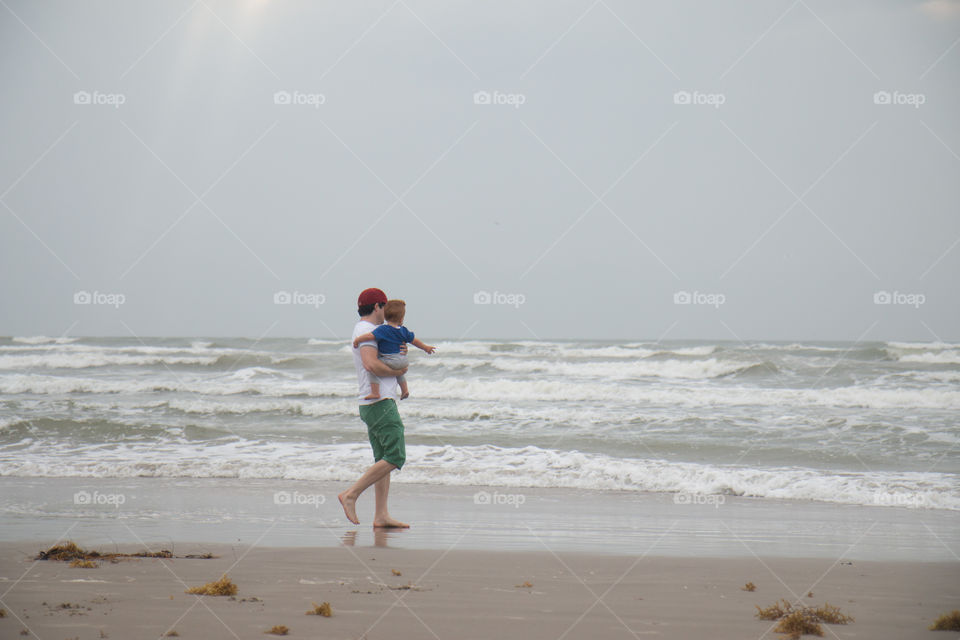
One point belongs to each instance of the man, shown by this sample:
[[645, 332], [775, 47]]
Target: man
[[384, 427]]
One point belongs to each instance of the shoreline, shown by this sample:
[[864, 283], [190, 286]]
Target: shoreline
[[283, 513]]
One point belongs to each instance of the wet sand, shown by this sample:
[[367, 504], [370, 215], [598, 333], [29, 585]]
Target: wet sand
[[282, 513]]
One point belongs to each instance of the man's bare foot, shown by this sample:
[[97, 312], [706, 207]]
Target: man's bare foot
[[404, 395], [349, 507], [372, 396], [389, 523]]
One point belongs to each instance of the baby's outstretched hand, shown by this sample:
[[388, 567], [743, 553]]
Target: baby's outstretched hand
[[429, 349]]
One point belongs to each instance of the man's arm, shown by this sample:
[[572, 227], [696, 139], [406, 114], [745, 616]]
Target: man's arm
[[419, 344], [373, 364]]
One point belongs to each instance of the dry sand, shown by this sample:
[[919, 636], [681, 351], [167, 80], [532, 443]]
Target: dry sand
[[459, 594]]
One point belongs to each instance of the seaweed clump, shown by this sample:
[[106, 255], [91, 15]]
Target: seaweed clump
[[222, 587], [67, 551], [83, 564], [749, 587], [947, 622], [798, 621], [278, 630], [70, 551], [321, 610], [163, 553]]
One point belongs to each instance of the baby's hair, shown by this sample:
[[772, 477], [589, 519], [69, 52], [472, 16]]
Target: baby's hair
[[394, 311]]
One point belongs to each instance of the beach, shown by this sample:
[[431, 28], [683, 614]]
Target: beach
[[382, 592], [599, 565], [465, 594]]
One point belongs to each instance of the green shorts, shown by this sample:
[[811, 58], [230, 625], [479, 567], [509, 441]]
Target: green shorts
[[385, 430]]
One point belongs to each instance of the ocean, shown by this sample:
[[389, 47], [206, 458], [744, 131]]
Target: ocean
[[864, 424]]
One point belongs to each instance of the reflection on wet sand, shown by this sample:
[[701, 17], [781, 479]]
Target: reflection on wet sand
[[380, 537]]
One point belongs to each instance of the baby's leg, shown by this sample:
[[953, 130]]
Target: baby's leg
[[395, 360], [374, 388], [398, 361]]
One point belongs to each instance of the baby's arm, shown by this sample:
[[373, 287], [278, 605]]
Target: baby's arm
[[366, 337], [419, 344]]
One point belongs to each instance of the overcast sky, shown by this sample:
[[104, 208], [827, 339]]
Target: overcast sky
[[593, 164]]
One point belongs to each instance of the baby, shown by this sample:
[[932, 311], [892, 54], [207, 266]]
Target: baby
[[390, 336]]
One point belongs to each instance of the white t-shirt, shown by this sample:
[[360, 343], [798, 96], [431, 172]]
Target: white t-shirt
[[388, 386]]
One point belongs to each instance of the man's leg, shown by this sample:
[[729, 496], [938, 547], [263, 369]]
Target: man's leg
[[377, 473], [385, 430], [381, 517]]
